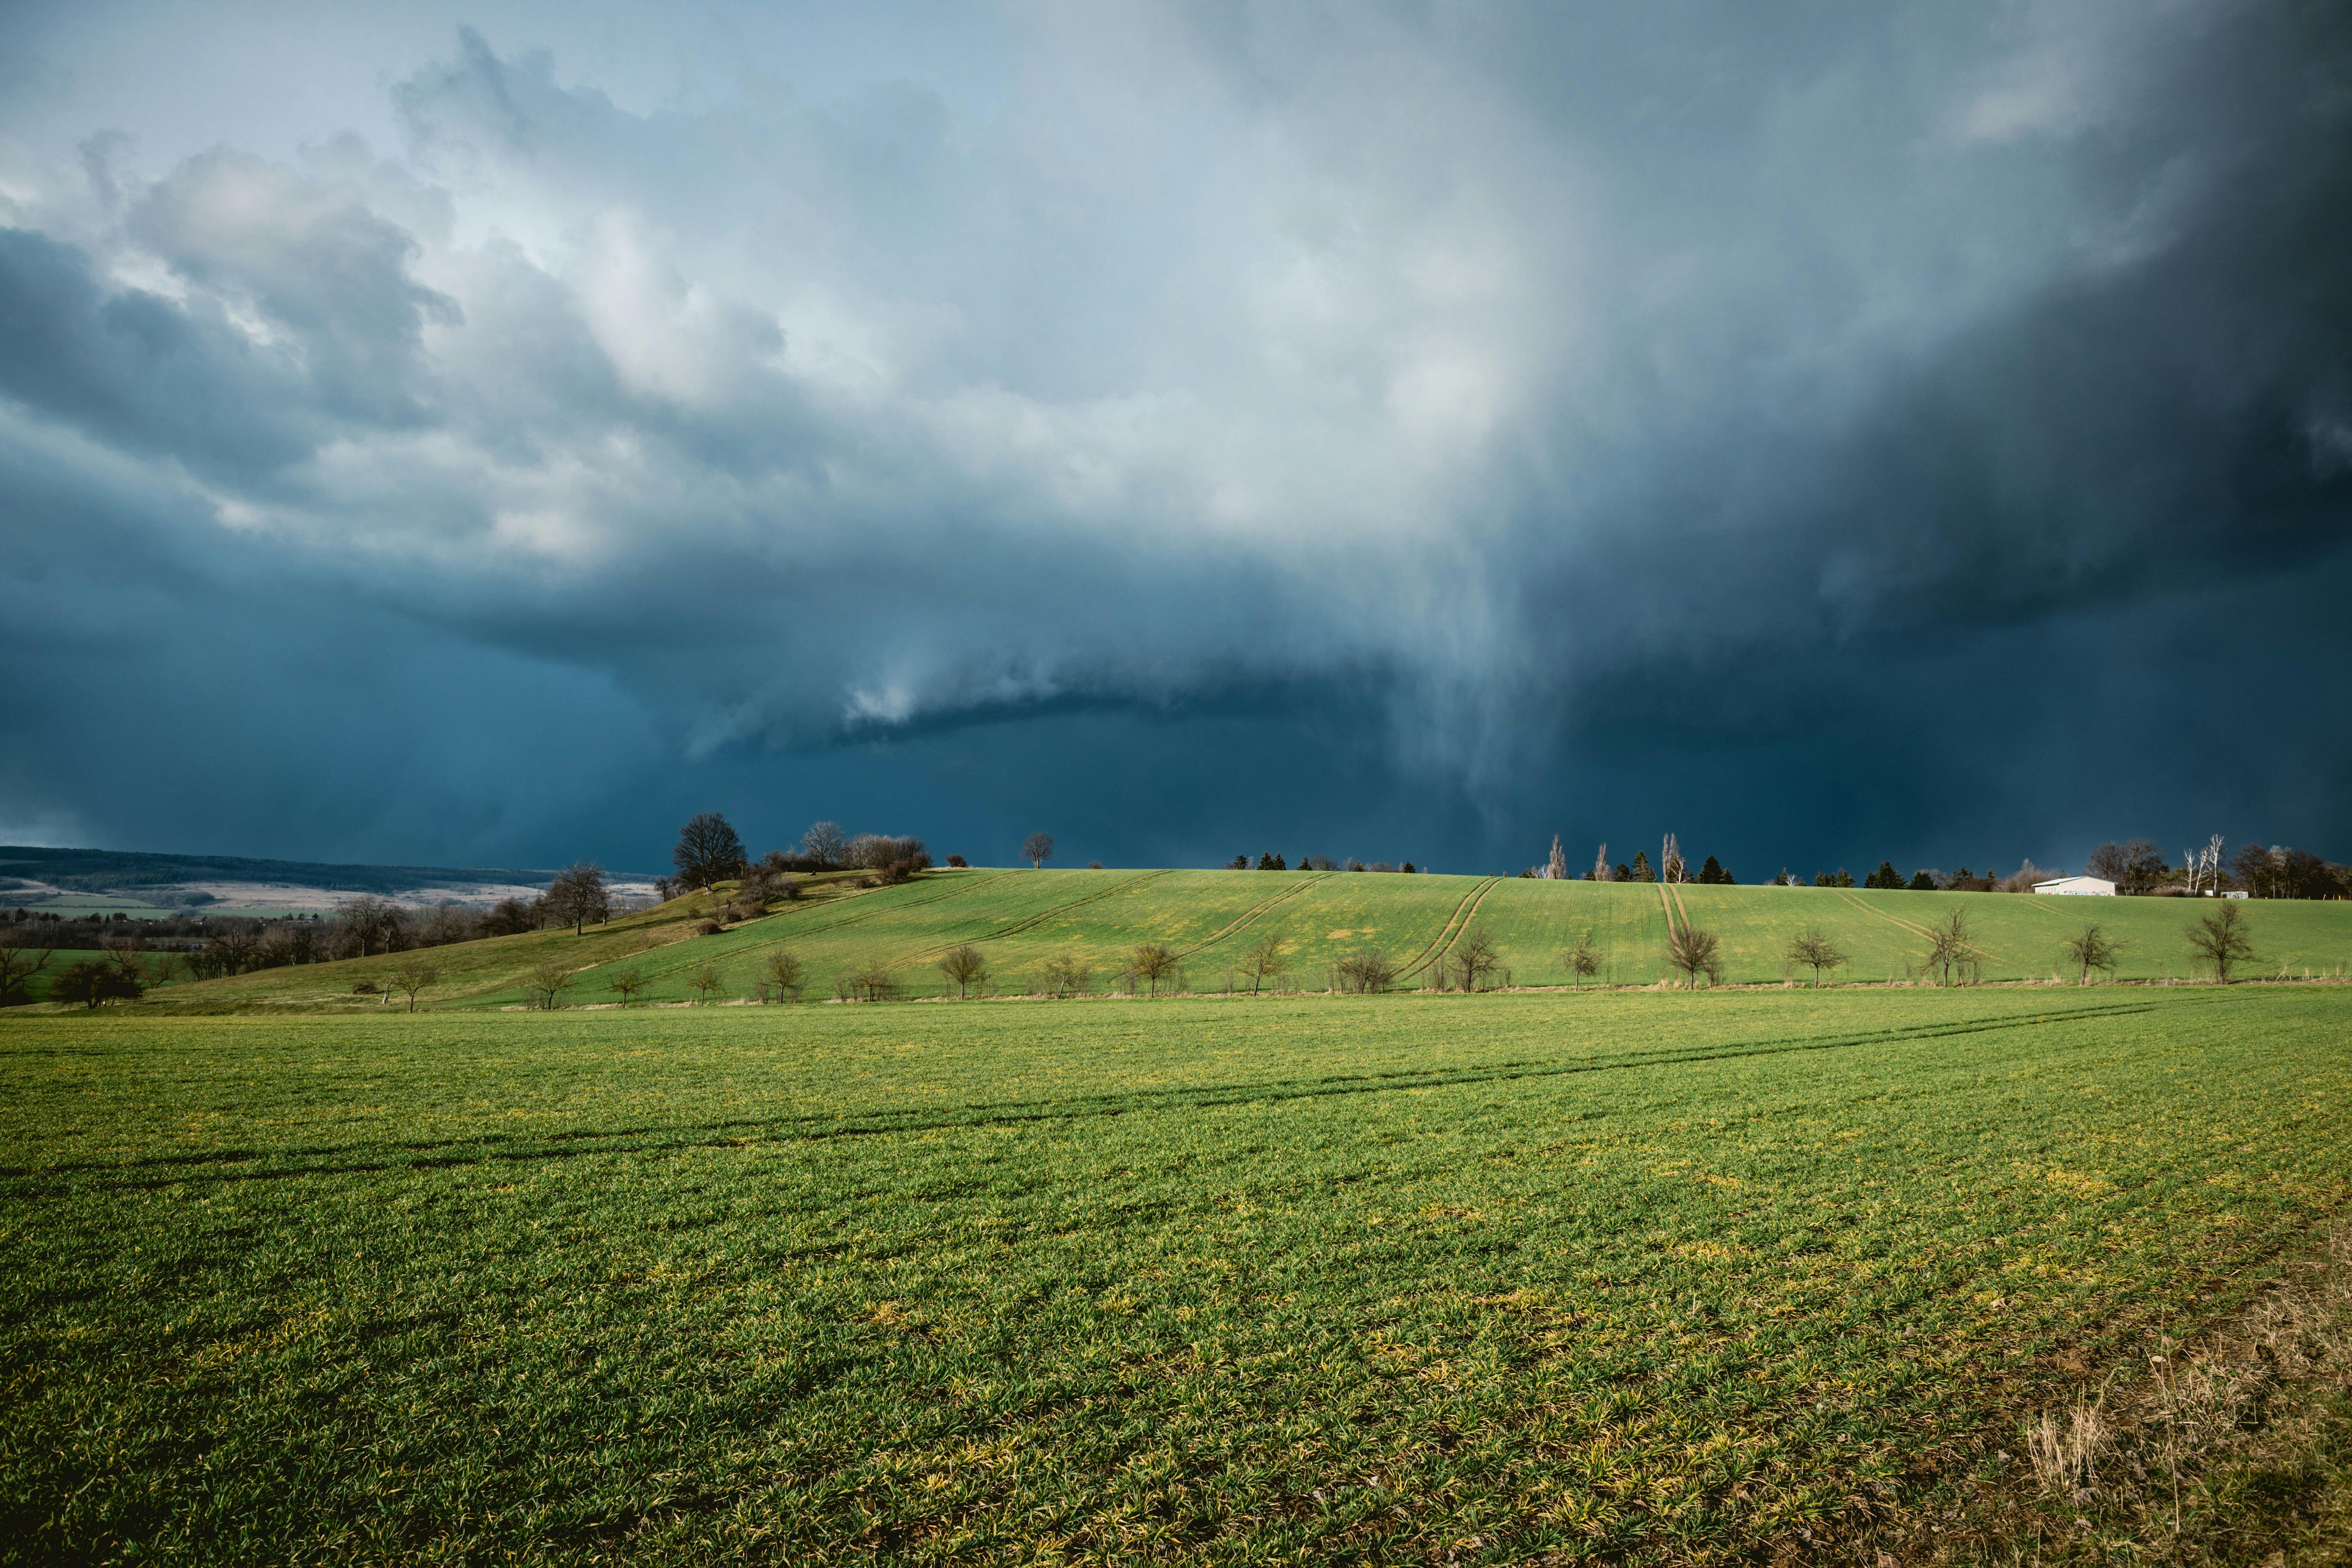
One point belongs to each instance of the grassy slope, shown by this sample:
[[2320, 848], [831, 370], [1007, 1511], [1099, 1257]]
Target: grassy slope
[[1020, 919], [1395, 1278]]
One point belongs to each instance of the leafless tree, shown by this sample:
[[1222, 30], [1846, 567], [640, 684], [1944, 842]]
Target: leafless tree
[[1066, 972], [708, 851], [2222, 940], [825, 842], [883, 851], [373, 923], [1582, 961], [578, 894], [1366, 970], [967, 966], [549, 981], [1816, 953], [874, 982], [1671, 867], [628, 984], [1262, 962], [785, 971], [706, 980], [415, 976], [1693, 952], [1556, 868], [2092, 950], [1037, 849], [1949, 950], [1600, 862], [21, 958], [1473, 957], [1154, 962]]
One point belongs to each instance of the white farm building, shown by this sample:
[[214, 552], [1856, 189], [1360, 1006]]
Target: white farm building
[[2081, 887]]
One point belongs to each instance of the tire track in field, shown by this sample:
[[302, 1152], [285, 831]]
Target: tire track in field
[[654, 1138], [1917, 931], [1455, 925], [799, 931], [1253, 914], [1032, 921], [1667, 901]]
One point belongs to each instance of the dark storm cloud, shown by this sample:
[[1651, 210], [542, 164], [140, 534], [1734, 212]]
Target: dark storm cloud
[[1562, 418]]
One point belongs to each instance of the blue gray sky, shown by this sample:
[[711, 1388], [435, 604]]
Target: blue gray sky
[[490, 433]]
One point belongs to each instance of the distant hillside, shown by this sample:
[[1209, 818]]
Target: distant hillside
[[33, 877]]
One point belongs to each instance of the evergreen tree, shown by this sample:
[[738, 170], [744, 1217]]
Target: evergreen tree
[[1922, 883], [1886, 876], [1713, 873], [1642, 871]]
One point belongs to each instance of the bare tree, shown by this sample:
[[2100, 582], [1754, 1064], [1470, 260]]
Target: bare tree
[[21, 958], [1582, 961], [1366, 970], [967, 966], [2092, 950], [785, 971], [1262, 962], [1155, 962], [1671, 867], [628, 984], [1949, 949], [415, 976], [1037, 849], [824, 843], [2222, 940], [708, 851], [549, 981], [706, 980], [1600, 862], [1066, 972], [1693, 952], [578, 894], [373, 923], [1556, 868], [1816, 953], [874, 981], [1473, 957]]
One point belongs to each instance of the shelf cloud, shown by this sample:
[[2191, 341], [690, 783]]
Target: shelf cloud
[[1912, 430]]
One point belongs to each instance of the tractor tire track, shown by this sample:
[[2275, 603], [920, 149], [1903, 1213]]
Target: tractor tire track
[[1253, 914], [769, 939], [1030, 923], [218, 1165], [1455, 925]]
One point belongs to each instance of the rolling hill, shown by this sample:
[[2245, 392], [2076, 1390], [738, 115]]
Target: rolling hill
[[1021, 919]]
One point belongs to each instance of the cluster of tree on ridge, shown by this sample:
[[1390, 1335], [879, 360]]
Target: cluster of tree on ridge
[[2136, 868]]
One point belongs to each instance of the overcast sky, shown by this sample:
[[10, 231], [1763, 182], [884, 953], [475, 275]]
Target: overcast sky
[[488, 433]]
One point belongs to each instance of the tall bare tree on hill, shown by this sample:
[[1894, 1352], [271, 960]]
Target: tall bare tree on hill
[[578, 894], [708, 851], [1556, 867], [825, 842], [1037, 849]]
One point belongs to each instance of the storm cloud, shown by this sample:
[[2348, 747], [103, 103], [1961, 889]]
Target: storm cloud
[[1826, 431]]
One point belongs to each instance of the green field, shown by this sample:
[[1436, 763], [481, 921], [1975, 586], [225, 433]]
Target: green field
[[1021, 919], [1631, 1276]]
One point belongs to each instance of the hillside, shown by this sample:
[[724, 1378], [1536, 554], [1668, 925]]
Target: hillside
[[1021, 919]]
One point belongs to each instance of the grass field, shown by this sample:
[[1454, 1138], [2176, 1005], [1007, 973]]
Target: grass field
[[1629, 1276], [1021, 919]]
